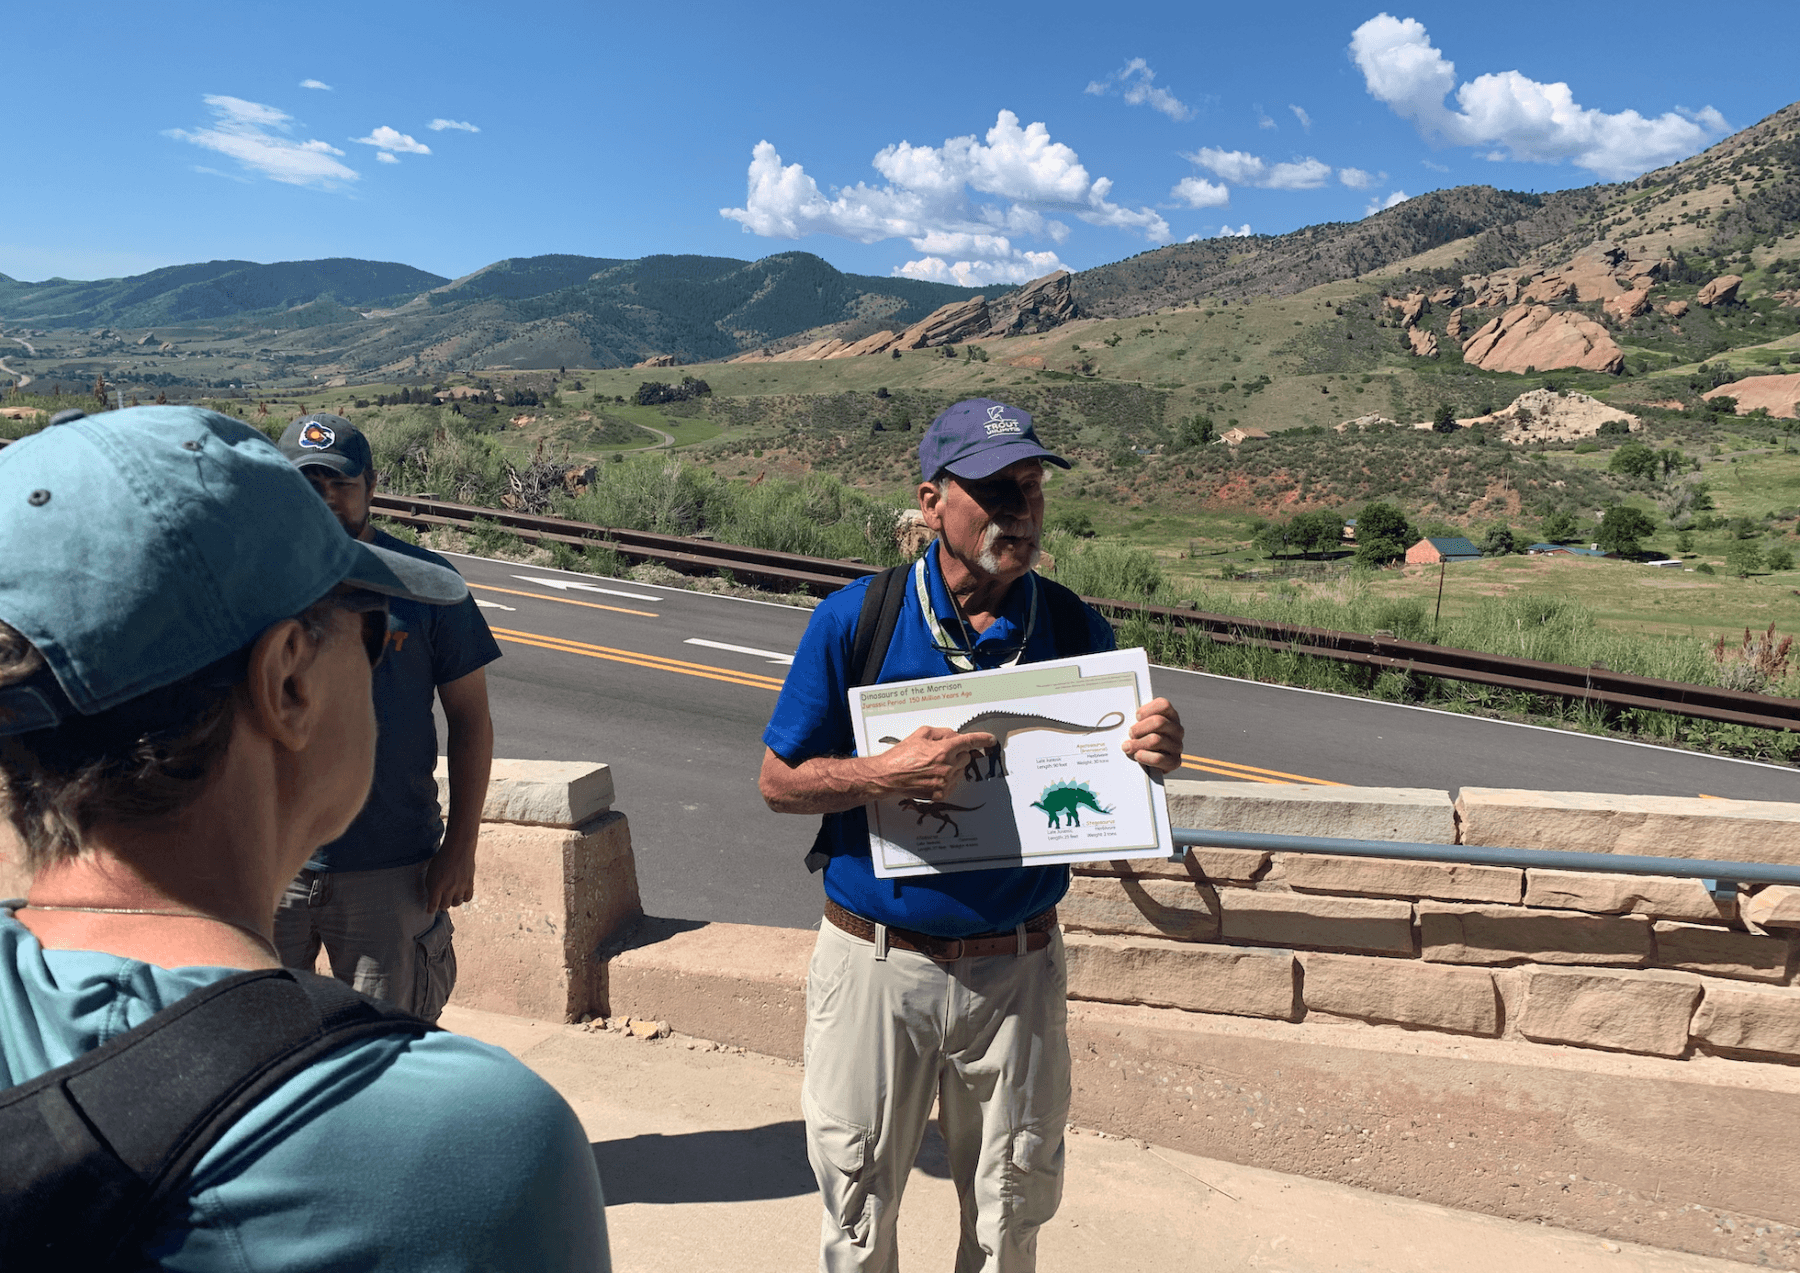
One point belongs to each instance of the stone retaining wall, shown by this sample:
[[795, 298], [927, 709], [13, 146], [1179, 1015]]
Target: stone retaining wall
[[1651, 965]]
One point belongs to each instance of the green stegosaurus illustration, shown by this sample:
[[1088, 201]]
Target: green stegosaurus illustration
[[1067, 800]]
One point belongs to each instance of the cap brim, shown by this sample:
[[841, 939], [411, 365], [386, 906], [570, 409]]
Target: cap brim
[[990, 460], [337, 462], [397, 575]]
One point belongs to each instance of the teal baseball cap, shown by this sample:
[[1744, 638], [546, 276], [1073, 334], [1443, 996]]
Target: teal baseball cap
[[148, 544]]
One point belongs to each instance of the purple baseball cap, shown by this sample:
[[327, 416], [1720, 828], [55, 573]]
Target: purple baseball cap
[[977, 438]]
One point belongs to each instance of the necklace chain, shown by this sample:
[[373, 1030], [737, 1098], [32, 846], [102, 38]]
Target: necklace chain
[[248, 931]]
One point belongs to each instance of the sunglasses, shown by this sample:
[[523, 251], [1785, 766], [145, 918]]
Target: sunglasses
[[373, 607]]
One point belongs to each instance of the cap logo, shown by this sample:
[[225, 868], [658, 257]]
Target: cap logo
[[317, 437], [998, 423]]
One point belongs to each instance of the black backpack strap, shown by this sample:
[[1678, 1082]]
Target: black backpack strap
[[1068, 619], [875, 625], [94, 1152]]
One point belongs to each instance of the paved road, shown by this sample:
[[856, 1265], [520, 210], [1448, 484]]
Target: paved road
[[672, 688], [24, 377]]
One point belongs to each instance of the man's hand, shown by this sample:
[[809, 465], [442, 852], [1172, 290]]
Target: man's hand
[[449, 880], [1155, 740], [928, 763]]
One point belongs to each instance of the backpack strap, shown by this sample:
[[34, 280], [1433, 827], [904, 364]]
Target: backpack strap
[[875, 625], [93, 1153]]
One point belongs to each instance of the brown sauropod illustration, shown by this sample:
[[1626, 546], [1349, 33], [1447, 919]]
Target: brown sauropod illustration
[[1003, 725]]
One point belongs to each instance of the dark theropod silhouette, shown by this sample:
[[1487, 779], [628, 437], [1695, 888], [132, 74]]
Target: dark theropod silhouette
[[939, 810], [1003, 725]]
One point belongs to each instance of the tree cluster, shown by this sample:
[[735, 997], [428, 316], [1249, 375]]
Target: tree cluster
[[1382, 534], [654, 393]]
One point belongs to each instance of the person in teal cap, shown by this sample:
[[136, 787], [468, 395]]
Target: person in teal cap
[[186, 643]]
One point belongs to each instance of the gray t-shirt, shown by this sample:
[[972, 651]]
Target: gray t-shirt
[[427, 646]]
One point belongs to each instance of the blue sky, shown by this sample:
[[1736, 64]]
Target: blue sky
[[972, 143]]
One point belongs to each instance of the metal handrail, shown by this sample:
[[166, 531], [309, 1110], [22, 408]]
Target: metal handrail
[[1719, 876]]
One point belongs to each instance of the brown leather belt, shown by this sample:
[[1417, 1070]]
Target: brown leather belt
[[947, 949]]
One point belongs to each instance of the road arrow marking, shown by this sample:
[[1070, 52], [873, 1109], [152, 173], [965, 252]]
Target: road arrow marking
[[566, 584], [492, 605], [786, 660]]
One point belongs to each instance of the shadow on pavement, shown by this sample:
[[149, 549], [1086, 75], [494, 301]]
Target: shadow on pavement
[[744, 1165]]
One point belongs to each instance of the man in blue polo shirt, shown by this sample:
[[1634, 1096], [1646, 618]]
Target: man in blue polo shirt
[[378, 898], [952, 986]]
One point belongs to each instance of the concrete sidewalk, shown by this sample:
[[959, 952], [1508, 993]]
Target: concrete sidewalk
[[704, 1161]]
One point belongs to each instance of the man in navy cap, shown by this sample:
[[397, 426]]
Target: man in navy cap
[[948, 987], [378, 898], [186, 644]]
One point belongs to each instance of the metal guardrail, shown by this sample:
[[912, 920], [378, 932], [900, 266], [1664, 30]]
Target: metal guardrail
[[1597, 685], [1720, 877]]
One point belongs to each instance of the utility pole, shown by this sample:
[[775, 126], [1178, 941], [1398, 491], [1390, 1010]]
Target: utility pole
[[1443, 565]]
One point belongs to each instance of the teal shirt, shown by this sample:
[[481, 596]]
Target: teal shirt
[[395, 1153]]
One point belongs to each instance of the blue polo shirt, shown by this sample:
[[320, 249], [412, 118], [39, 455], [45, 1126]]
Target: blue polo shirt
[[427, 646], [812, 718]]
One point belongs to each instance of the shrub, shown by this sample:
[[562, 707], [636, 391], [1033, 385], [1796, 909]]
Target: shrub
[[1560, 527], [1105, 568], [1780, 557], [1743, 559]]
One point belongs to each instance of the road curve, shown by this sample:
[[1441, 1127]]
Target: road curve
[[673, 687]]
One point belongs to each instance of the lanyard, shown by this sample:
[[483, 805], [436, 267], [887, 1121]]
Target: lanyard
[[961, 657]]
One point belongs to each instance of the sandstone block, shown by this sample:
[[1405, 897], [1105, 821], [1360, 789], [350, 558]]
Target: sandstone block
[[1659, 826], [1406, 992], [546, 899], [1777, 906], [1148, 907], [1216, 866], [542, 793], [1385, 877], [1168, 974], [1453, 934], [1721, 952], [1354, 813], [1269, 918], [1647, 1012], [1739, 1019], [1660, 896], [1721, 291]]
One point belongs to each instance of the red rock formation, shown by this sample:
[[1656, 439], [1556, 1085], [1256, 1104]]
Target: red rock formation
[[1531, 336], [1424, 344], [1780, 394], [1721, 291], [1675, 309], [1628, 305]]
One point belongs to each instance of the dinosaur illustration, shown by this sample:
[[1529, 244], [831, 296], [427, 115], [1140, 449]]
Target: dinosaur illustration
[[939, 810], [1003, 725], [1067, 800]]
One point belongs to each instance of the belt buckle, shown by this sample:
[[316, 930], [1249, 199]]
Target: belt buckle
[[948, 958]]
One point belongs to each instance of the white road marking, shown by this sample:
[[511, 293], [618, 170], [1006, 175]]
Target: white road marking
[[566, 584], [492, 605], [786, 660]]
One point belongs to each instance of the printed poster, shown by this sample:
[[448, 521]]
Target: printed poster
[[1056, 789]]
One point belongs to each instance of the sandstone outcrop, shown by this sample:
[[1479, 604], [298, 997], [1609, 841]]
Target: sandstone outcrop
[[1533, 337], [1628, 305], [1543, 415], [1444, 295], [1364, 422], [1037, 307], [657, 360], [876, 344], [1454, 328], [911, 534], [1675, 309], [1424, 344], [1780, 394], [958, 320], [1721, 291]]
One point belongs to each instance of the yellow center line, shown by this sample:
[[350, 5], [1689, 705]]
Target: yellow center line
[[567, 601], [1232, 768], [651, 661]]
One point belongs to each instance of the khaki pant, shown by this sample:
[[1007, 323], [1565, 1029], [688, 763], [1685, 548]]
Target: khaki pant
[[376, 931], [886, 1032]]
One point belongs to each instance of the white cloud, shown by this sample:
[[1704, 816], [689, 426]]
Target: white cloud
[[250, 133], [392, 139], [1302, 116], [1137, 83], [439, 125], [1358, 178], [319, 84], [1197, 192], [1242, 232], [931, 199], [1435, 167], [1523, 119], [1378, 204], [1262, 118], [1244, 169], [385, 158]]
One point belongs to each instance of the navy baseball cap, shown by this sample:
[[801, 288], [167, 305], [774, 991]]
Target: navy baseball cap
[[148, 544], [329, 441], [977, 438]]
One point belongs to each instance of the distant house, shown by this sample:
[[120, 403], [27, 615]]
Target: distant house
[[1566, 550], [1231, 437], [1452, 548], [1350, 529]]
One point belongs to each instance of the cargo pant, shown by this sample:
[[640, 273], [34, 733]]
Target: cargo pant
[[376, 931], [887, 1031]]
